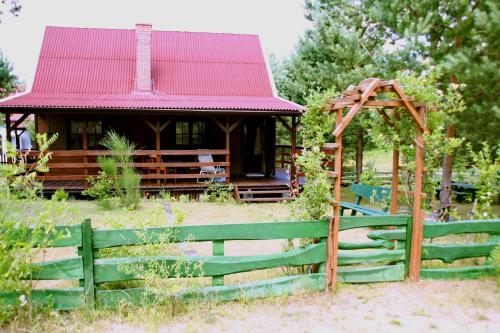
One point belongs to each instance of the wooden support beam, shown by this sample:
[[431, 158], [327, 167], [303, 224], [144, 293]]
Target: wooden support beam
[[285, 124], [418, 215], [418, 119], [218, 123], [165, 124], [386, 117], [19, 121], [236, 124], [355, 108]]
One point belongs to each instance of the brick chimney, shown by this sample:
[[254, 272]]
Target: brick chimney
[[143, 81]]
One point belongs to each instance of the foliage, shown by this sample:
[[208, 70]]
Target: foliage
[[460, 38], [21, 175], [184, 198], [425, 90], [487, 180], [162, 282], [316, 126], [368, 177], [118, 167], [22, 242], [7, 79], [60, 195], [218, 192], [101, 189]]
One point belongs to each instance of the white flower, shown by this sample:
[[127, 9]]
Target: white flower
[[22, 300], [485, 214]]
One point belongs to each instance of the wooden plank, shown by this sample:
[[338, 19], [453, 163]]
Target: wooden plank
[[371, 274], [439, 229], [111, 299], [200, 233], [136, 165], [63, 269], [395, 234], [171, 152], [218, 250], [451, 252], [88, 264], [352, 222], [378, 244], [458, 273], [113, 269], [64, 236], [278, 199], [355, 258], [408, 104], [330, 146], [58, 299]]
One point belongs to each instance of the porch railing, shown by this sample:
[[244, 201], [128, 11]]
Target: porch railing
[[157, 167], [284, 156]]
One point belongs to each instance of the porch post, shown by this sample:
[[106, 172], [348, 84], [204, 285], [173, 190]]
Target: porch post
[[228, 152], [395, 179], [294, 150], [417, 228], [85, 145], [8, 127]]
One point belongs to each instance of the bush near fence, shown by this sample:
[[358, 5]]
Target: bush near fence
[[384, 257]]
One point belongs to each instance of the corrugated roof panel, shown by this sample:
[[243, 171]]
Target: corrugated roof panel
[[86, 67]]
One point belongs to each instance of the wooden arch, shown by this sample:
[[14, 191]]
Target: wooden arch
[[356, 98]]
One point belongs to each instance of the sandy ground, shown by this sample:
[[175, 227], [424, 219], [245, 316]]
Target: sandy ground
[[439, 306]]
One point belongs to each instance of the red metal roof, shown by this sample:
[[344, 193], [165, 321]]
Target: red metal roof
[[95, 68]]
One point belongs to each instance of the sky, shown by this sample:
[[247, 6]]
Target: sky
[[280, 23]]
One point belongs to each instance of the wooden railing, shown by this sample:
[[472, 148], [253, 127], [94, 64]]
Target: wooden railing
[[283, 155], [157, 167]]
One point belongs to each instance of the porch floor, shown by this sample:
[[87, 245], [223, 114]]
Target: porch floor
[[280, 179]]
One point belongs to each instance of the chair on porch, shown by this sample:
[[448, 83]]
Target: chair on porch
[[205, 157]]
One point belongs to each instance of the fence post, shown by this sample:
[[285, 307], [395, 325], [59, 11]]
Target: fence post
[[409, 225], [218, 250], [87, 253]]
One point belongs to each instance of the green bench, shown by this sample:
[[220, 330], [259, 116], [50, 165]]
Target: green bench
[[362, 191]]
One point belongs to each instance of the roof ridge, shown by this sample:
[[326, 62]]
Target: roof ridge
[[133, 29]]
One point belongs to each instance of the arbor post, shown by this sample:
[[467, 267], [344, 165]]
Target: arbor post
[[418, 216]]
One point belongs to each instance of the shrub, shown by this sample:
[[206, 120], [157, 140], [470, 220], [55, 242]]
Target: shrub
[[101, 190], [487, 180], [183, 198], [21, 176], [126, 181], [60, 195], [218, 192]]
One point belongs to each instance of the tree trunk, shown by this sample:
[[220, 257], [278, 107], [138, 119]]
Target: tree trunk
[[446, 193], [359, 154]]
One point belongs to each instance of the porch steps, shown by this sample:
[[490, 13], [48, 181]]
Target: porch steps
[[263, 194]]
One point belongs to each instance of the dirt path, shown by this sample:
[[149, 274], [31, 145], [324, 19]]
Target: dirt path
[[437, 306]]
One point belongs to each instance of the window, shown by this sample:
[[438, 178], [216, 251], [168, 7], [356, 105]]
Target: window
[[77, 130], [190, 133]]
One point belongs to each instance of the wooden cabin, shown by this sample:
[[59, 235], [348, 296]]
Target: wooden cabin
[[177, 95]]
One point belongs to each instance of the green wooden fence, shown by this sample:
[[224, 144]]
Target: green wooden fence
[[383, 257], [448, 251]]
